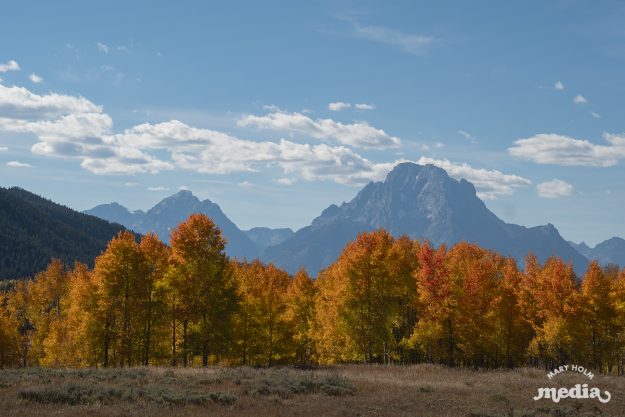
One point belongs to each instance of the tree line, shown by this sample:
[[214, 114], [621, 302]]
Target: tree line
[[33, 229], [384, 300]]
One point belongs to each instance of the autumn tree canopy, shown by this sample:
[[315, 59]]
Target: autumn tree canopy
[[384, 300]]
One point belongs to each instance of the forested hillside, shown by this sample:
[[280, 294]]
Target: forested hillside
[[34, 230]]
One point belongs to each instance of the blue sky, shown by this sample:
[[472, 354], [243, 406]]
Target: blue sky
[[276, 110]]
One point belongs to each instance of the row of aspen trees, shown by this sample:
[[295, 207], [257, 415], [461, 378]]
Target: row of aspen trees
[[384, 300]]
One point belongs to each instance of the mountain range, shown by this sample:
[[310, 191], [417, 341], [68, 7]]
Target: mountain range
[[420, 201], [33, 230], [611, 251], [167, 214], [264, 237]]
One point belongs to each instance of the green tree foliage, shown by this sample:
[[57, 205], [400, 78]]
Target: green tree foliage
[[34, 230]]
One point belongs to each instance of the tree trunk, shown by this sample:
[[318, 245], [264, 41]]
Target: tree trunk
[[205, 343], [245, 339], [204, 355], [450, 344], [149, 329], [106, 343], [173, 333], [184, 343]]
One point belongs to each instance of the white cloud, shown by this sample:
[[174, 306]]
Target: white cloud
[[364, 106], [35, 78], [563, 150], [595, 115], [554, 189], [18, 102], [439, 145], [490, 184], [3, 149], [73, 127], [245, 184], [466, 135], [271, 108], [211, 152], [183, 188], [158, 188], [285, 181], [580, 99], [69, 126], [123, 160], [412, 44], [131, 184], [558, 86], [123, 48], [102, 47], [359, 134], [18, 164], [9, 66], [96, 74], [338, 106]]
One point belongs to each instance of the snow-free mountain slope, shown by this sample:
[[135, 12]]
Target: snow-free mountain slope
[[168, 213], [611, 251], [423, 202], [264, 237]]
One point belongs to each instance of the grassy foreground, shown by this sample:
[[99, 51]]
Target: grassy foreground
[[349, 390]]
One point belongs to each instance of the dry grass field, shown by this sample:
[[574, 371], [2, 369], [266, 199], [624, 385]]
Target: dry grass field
[[349, 390]]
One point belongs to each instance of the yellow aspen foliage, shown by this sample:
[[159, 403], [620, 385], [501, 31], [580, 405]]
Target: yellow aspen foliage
[[598, 312], [118, 273], [264, 335], [370, 288], [84, 330], [300, 298], [206, 287], [47, 311], [151, 301], [9, 336], [555, 295], [383, 300]]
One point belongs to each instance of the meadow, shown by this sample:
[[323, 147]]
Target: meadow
[[344, 390]]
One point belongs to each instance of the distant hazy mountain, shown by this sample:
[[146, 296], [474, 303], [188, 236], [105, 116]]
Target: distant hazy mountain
[[116, 213], [582, 248], [611, 251], [34, 230], [264, 237], [422, 202], [167, 214]]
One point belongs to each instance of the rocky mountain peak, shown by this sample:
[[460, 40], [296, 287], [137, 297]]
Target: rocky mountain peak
[[422, 202], [169, 212]]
